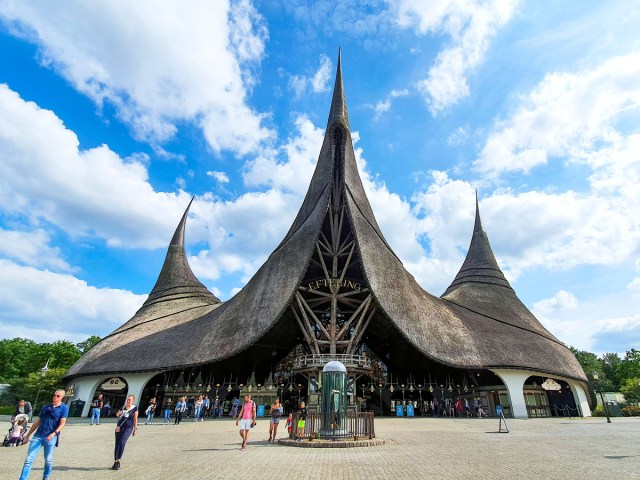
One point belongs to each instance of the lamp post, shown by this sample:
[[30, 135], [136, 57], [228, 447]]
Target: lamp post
[[596, 376], [380, 385], [43, 372]]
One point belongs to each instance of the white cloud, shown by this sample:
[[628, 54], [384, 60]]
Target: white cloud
[[32, 248], [567, 115], [291, 166], [157, 64], [597, 324], [317, 82], [47, 306], [471, 26], [384, 106], [89, 193], [218, 176], [562, 300], [242, 233]]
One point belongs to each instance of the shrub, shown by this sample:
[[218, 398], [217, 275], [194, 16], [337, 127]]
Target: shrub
[[598, 411], [7, 410], [631, 411]]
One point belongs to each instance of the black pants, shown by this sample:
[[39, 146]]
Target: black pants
[[178, 417], [121, 440]]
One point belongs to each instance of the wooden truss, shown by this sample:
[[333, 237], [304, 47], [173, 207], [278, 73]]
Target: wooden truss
[[333, 306]]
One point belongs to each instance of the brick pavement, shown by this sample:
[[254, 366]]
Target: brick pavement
[[420, 448]]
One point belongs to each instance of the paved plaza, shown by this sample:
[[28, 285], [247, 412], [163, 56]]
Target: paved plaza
[[423, 448]]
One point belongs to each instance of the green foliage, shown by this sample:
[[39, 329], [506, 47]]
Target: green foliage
[[21, 361], [631, 411], [610, 364], [88, 344], [598, 411], [8, 410], [629, 367], [631, 390]]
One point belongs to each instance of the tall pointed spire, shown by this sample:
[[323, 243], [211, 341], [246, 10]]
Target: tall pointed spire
[[176, 280], [178, 236], [338, 102], [477, 226], [480, 265]]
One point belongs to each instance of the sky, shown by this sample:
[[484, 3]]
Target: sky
[[113, 114]]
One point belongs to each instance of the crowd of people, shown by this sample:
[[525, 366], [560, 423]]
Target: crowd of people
[[453, 408], [45, 430]]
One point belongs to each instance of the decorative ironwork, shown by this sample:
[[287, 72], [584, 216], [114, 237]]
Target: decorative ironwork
[[356, 425], [333, 306]]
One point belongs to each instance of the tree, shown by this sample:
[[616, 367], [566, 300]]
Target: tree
[[630, 366], [88, 344], [631, 390], [610, 364], [46, 384]]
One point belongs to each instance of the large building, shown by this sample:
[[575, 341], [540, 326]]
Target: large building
[[334, 289]]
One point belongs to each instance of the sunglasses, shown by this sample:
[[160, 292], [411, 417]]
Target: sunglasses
[[57, 395]]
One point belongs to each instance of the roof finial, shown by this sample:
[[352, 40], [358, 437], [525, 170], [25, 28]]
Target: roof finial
[[178, 237], [338, 103]]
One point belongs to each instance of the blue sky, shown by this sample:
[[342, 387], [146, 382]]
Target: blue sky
[[113, 114]]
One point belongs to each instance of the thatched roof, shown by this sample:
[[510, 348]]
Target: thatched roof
[[478, 323]]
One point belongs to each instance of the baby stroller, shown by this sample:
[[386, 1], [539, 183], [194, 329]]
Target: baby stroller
[[19, 428]]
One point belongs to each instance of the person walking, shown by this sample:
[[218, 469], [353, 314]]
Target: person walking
[[47, 427], [247, 418], [167, 411], [151, 409], [96, 408], [125, 427], [198, 409], [181, 406], [276, 413], [24, 408]]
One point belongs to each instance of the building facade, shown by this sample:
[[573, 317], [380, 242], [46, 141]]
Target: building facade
[[334, 289]]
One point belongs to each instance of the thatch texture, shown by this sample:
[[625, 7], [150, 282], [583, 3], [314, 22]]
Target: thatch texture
[[478, 323]]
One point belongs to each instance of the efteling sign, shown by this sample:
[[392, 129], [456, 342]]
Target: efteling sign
[[335, 282], [551, 384]]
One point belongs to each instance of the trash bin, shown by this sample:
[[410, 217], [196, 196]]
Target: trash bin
[[76, 407]]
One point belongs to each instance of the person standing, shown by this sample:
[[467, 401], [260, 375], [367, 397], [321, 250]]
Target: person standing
[[216, 407], [96, 408], [181, 407], [276, 413], [302, 417], [25, 408], [47, 427], [206, 407], [125, 427], [151, 409], [246, 417]]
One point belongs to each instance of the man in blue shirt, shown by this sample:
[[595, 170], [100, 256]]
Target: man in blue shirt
[[52, 419]]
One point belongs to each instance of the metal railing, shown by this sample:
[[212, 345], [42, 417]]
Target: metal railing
[[356, 425], [320, 360]]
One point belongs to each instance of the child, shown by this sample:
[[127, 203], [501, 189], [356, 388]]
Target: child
[[16, 432], [289, 423]]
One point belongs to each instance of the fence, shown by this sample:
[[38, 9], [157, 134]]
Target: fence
[[327, 426]]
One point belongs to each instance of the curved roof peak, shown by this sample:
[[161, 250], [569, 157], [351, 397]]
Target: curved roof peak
[[338, 110], [176, 280], [480, 265], [178, 236]]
